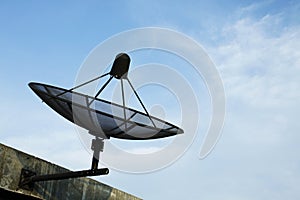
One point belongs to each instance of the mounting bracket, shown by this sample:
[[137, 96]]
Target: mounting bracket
[[28, 177]]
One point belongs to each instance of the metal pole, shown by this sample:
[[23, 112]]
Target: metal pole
[[124, 111], [102, 88], [78, 86], [140, 102], [97, 147]]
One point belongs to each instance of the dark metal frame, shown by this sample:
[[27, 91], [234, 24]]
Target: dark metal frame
[[122, 90], [28, 177]]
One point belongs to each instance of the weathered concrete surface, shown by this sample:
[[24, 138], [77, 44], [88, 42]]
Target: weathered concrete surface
[[12, 161]]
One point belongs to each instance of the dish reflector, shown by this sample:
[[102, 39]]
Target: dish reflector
[[103, 118]]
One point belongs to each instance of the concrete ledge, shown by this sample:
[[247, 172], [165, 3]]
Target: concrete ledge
[[12, 161]]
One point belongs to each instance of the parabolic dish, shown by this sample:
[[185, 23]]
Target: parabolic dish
[[103, 117]]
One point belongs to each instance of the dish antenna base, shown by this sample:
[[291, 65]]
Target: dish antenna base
[[29, 177], [97, 147]]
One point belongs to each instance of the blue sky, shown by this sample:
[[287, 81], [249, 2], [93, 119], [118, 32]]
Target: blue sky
[[254, 45]]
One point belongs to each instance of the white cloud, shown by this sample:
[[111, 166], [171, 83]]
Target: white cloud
[[259, 62], [253, 7], [260, 68], [144, 150]]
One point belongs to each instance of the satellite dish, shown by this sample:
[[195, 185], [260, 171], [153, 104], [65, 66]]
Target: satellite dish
[[106, 117], [103, 119]]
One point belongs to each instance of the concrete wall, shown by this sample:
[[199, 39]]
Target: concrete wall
[[12, 161]]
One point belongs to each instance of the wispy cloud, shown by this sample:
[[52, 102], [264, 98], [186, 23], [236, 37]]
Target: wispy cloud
[[260, 65], [257, 66]]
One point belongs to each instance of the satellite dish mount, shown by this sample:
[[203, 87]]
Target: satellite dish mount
[[123, 127]]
